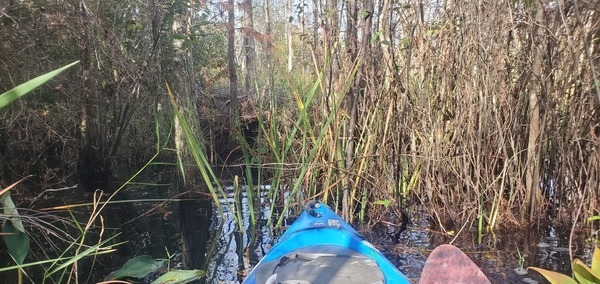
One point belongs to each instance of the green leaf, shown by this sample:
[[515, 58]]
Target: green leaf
[[256, 160], [596, 261], [405, 41], [385, 203], [178, 37], [10, 210], [365, 14], [593, 218], [16, 241], [11, 95], [96, 249], [262, 150], [584, 274], [138, 267], [554, 277], [179, 277]]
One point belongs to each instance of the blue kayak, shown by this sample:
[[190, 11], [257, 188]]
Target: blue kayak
[[320, 247]]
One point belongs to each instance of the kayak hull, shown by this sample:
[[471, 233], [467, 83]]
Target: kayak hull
[[319, 247]]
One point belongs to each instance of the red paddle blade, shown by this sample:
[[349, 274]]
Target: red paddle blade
[[448, 264]]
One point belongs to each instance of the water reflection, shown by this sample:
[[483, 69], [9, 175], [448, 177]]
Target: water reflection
[[236, 251], [230, 259]]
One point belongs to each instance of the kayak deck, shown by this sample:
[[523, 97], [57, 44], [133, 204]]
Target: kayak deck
[[321, 264], [319, 247]]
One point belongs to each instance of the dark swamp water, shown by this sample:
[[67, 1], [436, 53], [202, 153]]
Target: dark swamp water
[[544, 245], [213, 241]]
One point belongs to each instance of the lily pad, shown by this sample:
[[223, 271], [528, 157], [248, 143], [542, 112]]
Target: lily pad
[[179, 277], [138, 267]]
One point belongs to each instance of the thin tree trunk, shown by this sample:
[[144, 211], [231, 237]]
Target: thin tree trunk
[[288, 33], [233, 80], [331, 37], [352, 57], [250, 53], [532, 177], [93, 165], [183, 89], [269, 46], [390, 75]]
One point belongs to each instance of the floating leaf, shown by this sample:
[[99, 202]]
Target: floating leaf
[[20, 90], [138, 267], [584, 274], [179, 277], [554, 277], [16, 241]]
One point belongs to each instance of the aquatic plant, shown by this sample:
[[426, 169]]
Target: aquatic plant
[[143, 266], [521, 269], [14, 234], [582, 273], [17, 240]]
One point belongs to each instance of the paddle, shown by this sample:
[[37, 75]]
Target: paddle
[[448, 264]]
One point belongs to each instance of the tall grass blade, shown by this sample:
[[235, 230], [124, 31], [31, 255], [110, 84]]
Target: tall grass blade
[[318, 142], [15, 93], [91, 251], [199, 156]]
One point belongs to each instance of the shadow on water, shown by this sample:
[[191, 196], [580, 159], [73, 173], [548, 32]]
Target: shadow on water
[[501, 257], [148, 218]]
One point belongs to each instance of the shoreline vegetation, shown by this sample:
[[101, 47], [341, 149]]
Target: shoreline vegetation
[[485, 114]]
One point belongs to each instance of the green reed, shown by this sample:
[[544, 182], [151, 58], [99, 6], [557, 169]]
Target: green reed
[[209, 178]]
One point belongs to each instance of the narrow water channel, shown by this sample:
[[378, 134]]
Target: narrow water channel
[[501, 260], [156, 228]]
